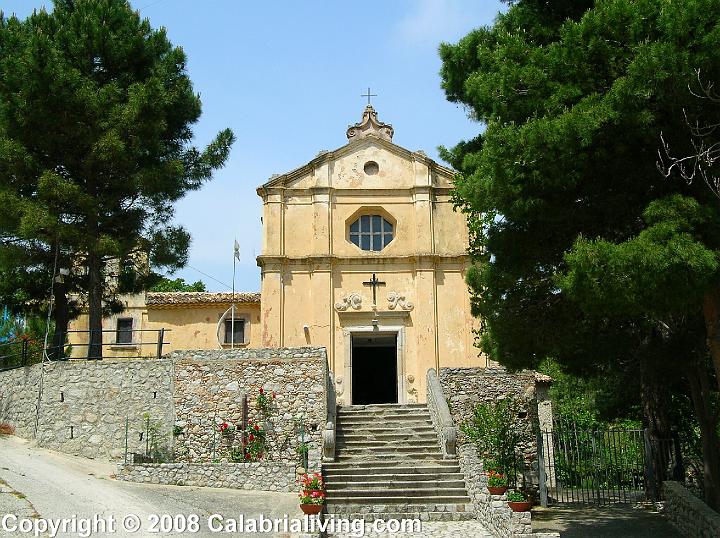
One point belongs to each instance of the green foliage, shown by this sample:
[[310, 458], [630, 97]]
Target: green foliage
[[96, 116], [580, 246], [178, 284], [609, 399], [516, 496], [495, 431]]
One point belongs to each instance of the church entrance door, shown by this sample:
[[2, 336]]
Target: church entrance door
[[374, 369]]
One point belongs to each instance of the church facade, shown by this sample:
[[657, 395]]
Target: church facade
[[362, 253]]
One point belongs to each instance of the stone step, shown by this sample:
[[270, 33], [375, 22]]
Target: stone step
[[394, 444], [370, 431], [409, 492], [391, 477], [369, 417], [423, 516], [433, 484], [398, 452], [449, 512], [382, 497], [383, 466], [409, 435], [379, 408]]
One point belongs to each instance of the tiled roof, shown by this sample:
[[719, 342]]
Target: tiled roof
[[199, 297]]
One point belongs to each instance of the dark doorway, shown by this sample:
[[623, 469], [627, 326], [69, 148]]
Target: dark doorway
[[374, 369]]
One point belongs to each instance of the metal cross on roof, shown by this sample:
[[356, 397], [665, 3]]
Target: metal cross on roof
[[374, 282], [368, 95]]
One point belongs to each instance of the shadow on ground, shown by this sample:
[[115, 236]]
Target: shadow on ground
[[592, 522]]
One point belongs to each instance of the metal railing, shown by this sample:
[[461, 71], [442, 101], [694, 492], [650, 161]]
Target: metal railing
[[23, 351], [604, 466], [19, 352]]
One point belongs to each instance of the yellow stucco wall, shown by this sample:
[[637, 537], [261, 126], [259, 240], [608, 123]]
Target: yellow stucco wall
[[187, 326], [308, 263]]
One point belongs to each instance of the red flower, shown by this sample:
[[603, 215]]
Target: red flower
[[251, 437], [262, 391], [247, 456], [257, 428]]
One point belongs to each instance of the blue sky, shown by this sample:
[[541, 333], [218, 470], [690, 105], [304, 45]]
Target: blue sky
[[287, 76]]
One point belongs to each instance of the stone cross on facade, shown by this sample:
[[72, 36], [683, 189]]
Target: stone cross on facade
[[374, 282], [368, 95]]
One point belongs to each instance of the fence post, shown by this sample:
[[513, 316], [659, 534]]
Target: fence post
[[24, 356], [161, 337], [541, 470]]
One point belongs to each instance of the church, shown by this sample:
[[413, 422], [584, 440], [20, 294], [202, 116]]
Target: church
[[362, 254]]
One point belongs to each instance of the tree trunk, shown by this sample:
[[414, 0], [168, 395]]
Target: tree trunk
[[700, 391], [711, 313], [656, 404], [57, 350], [95, 289]]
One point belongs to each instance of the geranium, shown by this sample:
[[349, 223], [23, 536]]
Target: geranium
[[313, 489], [496, 480], [253, 446]]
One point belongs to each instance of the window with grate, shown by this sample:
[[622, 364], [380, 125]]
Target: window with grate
[[124, 331], [371, 232], [239, 327]]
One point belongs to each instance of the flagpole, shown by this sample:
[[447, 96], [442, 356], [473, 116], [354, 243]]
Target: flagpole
[[232, 319]]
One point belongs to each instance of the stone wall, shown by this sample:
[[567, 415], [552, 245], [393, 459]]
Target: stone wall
[[85, 404], [492, 510], [692, 517], [464, 388], [209, 388], [265, 476], [18, 398]]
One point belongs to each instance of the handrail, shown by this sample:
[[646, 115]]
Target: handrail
[[328, 434], [440, 414]]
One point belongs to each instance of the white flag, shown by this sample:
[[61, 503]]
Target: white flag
[[237, 250]]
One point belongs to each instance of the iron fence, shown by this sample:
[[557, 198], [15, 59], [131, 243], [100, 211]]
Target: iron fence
[[604, 466], [141, 344], [19, 352]]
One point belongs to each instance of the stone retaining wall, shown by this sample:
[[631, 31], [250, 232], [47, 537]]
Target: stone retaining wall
[[464, 388], [492, 510], [85, 404], [692, 517], [209, 388], [18, 398], [264, 476]]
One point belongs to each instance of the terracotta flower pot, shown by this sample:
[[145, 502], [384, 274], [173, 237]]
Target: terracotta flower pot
[[497, 490], [519, 506], [311, 509]]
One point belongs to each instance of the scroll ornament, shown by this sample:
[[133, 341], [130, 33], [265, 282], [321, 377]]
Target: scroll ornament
[[396, 300], [354, 301]]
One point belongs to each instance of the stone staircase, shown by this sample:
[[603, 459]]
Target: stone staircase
[[389, 464]]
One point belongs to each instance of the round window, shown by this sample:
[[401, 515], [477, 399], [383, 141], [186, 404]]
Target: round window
[[371, 168]]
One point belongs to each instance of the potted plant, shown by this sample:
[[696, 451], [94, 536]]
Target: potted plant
[[312, 496], [497, 483], [517, 501]]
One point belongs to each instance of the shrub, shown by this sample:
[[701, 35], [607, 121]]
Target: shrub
[[495, 431]]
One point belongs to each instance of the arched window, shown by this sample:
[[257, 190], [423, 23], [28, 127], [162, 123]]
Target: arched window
[[371, 232]]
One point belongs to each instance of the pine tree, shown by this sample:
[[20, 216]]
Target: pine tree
[[96, 115], [583, 251]]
